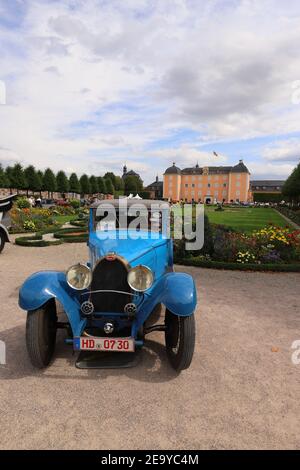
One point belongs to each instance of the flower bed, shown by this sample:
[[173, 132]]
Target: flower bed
[[31, 220], [292, 214], [261, 249]]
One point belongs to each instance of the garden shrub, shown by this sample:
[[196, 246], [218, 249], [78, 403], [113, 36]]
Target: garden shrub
[[75, 203], [23, 203]]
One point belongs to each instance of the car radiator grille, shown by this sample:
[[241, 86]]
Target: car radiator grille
[[110, 275]]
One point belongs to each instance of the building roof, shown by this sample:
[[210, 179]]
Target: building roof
[[156, 184], [211, 169], [267, 183], [196, 170], [240, 168], [173, 170], [130, 173]]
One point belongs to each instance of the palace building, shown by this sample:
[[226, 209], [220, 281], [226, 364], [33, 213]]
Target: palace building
[[208, 184]]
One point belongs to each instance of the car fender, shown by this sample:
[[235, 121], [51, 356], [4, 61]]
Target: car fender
[[4, 230], [45, 285], [176, 291]]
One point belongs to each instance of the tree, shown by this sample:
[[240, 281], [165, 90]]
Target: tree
[[101, 185], [17, 177], [8, 175], [62, 182], [94, 185], [4, 182], [291, 187], [110, 175], [109, 186], [130, 184], [49, 182], [74, 185], [85, 184], [33, 182], [119, 183], [133, 184], [40, 179]]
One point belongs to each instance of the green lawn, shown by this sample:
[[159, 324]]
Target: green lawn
[[245, 219], [63, 219]]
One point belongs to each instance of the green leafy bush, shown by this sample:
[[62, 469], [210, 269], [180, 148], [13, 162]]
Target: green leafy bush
[[23, 203]]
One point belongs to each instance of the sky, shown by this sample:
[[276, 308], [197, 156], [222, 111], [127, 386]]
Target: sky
[[88, 85]]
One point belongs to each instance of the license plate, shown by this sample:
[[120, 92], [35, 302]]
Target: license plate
[[90, 343]]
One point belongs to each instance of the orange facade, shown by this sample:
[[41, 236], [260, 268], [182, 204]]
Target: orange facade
[[208, 184]]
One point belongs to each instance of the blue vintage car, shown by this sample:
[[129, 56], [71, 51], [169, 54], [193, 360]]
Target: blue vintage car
[[115, 299]]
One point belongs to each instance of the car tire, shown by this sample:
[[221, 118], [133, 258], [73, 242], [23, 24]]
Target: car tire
[[41, 334], [180, 340], [2, 240]]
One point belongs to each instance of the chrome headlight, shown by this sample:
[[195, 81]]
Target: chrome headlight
[[140, 278], [79, 276]]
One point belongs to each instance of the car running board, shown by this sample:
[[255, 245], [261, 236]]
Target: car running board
[[107, 360]]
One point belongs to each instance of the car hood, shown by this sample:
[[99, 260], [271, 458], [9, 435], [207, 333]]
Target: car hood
[[143, 249]]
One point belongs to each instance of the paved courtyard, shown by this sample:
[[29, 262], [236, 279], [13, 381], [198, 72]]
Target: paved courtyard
[[242, 390]]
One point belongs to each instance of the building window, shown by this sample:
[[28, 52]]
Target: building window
[[208, 185], [224, 184], [199, 185], [186, 185], [193, 185], [237, 193], [238, 183], [216, 185], [209, 177], [193, 178]]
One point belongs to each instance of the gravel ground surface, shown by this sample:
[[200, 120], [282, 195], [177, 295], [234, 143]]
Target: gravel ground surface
[[242, 390]]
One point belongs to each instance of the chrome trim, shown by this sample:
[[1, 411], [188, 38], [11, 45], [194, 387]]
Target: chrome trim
[[108, 290]]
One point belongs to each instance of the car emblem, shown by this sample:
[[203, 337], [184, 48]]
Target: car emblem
[[110, 256], [130, 308], [87, 308], [108, 328]]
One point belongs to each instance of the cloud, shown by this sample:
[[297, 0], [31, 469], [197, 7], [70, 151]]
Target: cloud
[[100, 83], [283, 151]]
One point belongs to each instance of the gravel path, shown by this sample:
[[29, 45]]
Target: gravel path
[[242, 390]]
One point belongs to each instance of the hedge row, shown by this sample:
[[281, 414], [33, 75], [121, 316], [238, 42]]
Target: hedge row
[[36, 240], [237, 266], [72, 235]]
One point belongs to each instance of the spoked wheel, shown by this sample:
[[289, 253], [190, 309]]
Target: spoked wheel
[[180, 340], [2, 240], [41, 334]]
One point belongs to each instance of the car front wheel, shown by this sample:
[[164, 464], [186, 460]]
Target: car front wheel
[[2, 241], [180, 340], [41, 334]]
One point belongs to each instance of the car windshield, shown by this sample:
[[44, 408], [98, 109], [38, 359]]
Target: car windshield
[[135, 217]]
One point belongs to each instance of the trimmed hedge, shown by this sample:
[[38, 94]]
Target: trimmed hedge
[[67, 235], [79, 223], [267, 197], [36, 241], [237, 266]]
